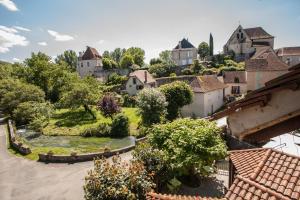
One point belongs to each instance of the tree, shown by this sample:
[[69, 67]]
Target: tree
[[166, 57], [178, 94], [13, 92], [126, 61], [197, 67], [137, 54], [160, 70], [106, 62], [152, 106], [154, 61], [106, 54], [116, 79], [80, 94], [108, 106], [211, 45], [203, 50], [117, 54], [69, 57], [190, 146], [117, 181], [120, 126]]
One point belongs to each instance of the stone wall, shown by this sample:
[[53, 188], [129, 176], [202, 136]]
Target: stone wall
[[19, 146]]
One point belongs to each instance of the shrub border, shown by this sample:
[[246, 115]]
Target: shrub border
[[17, 145]]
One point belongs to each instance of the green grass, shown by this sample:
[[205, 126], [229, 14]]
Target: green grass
[[72, 122]]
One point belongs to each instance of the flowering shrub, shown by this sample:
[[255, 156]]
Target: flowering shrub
[[108, 106], [117, 181]]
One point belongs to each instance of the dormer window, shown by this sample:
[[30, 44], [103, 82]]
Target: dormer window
[[134, 81], [238, 36], [242, 35]]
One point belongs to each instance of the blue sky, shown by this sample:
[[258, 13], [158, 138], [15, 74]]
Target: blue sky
[[52, 26]]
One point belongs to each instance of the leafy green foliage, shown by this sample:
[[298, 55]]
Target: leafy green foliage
[[102, 130], [211, 45], [137, 54], [203, 50], [108, 105], [126, 61], [161, 70], [129, 101], [120, 126], [166, 57], [154, 61], [197, 67], [69, 57], [190, 146], [152, 106], [117, 181], [178, 94], [115, 79], [187, 71]]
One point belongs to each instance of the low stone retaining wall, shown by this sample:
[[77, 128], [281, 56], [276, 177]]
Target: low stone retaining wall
[[19, 146], [51, 158], [81, 157]]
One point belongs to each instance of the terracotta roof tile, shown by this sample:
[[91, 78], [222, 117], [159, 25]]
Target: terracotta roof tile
[[207, 83], [90, 53], [257, 33], [140, 74], [156, 196], [288, 51], [231, 76]]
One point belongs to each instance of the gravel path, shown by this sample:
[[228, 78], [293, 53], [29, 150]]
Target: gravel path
[[30, 180]]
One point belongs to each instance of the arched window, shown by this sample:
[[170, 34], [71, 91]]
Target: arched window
[[236, 80], [238, 36]]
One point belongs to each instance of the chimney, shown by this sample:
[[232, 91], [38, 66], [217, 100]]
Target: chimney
[[145, 73]]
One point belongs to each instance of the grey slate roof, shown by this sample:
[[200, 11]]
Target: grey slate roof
[[185, 44]]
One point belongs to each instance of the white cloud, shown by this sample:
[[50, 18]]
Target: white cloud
[[10, 5], [16, 60], [60, 37], [100, 41], [21, 28], [42, 43], [10, 37]]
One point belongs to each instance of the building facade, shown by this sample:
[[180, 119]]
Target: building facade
[[184, 53], [243, 42], [236, 82], [209, 93], [139, 80], [265, 65], [289, 55], [89, 62]]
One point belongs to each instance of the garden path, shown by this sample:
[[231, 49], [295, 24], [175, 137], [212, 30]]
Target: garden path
[[22, 179]]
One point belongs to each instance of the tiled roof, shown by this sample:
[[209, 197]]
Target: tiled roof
[[265, 59], [140, 74], [207, 83], [184, 44], [265, 174], [230, 76], [155, 196], [257, 33], [288, 51], [90, 53]]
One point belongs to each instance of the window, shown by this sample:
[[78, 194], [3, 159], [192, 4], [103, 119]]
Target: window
[[238, 36], [242, 35], [81, 64], [235, 90], [236, 80], [139, 87], [88, 64], [134, 81]]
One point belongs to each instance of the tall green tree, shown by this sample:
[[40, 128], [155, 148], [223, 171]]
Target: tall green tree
[[117, 54], [126, 61], [137, 54], [166, 57], [69, 57], [211, 45], [178, 94], [203, 50]]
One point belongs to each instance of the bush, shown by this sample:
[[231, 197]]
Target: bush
[[187, 71], [103, 130], [120, 126], [152, 106], [117, 181], [129, 101], [108, 105], [161, 69]]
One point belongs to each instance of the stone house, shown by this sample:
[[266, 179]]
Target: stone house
[[243, 42], [89, 62], [139, 80], [236, 82], [263, 66], [209, 95], [184, 53], [289, 55]]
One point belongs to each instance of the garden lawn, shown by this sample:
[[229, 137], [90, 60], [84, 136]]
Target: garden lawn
[[69, 122]]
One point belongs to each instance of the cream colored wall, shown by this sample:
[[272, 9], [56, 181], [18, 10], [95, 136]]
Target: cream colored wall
[[84, 70], [281, 103], [180, 55], [131, 88], [202, 102], [256, 80]]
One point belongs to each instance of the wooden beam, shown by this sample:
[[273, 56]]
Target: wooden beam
[[269, 124]]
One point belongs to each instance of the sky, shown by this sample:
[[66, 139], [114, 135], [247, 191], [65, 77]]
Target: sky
[[53, 26]]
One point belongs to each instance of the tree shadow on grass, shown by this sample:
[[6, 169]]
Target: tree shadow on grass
[[73, 118]]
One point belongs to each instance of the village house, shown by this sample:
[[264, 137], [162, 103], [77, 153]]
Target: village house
[[184, 53], [209, 94], [236, 82], [289, 55], [139, 80], [263, 66], [89, 62], [243, 42]]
